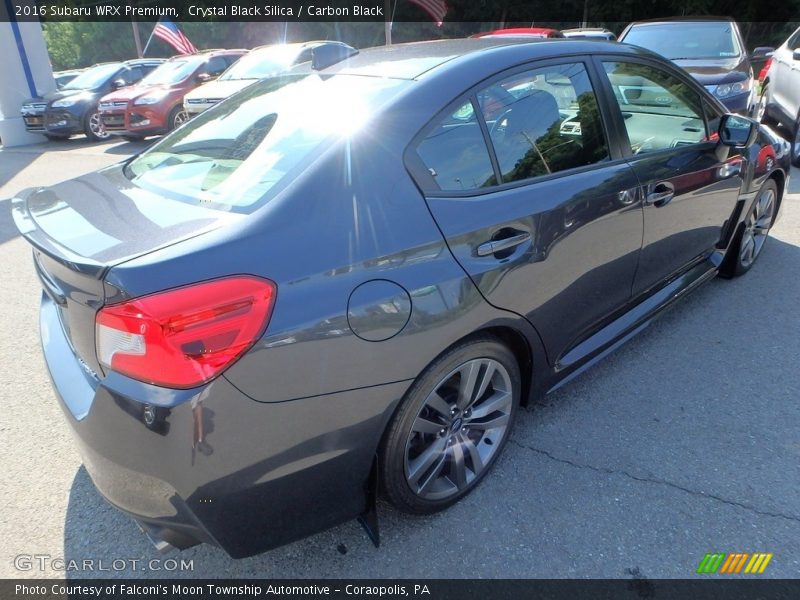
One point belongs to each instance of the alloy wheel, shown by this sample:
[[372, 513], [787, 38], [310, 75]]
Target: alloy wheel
[[97, 128], [757, 227], [459, 429], [180, 118], [761, 107]]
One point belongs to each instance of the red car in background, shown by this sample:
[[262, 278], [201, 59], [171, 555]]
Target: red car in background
[[534, 32], [155, 105]]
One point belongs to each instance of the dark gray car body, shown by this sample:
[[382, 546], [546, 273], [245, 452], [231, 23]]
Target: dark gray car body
[[376, 277]]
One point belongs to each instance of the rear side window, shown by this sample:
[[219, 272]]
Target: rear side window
[[659, 110], [543, 121], [455, 153]]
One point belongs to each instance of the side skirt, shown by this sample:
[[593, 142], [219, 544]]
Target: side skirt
[[612, 336]]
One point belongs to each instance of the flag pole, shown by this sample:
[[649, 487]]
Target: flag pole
[[387, 24], [149, 39], [136, 39]]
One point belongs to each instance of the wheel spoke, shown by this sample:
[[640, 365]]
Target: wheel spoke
[[433, 474], [485, 380], [423, 425], [458, 468], [498, 421], [466, 387], [493, 403], [474, 456], [748, 244], [424, 461], [437, 403]]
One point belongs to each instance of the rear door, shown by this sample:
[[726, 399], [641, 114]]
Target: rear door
[[690, 183], [534, 202]]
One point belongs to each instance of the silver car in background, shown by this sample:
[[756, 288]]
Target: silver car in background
[[780, 96]]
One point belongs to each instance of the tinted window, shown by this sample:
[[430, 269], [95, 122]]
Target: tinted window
[[233, 154], [455, 153], [686, 39], [544, 121], [215, 65], [133, 74], [659, 110]]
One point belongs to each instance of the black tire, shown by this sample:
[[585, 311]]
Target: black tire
[[93, 135], [795, 141], [467, 433], [753, 233], [174, 118]]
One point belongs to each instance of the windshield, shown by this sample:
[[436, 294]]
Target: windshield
[[233, 154], [171, 72], [94, 77], [686, 40], [259, 64]]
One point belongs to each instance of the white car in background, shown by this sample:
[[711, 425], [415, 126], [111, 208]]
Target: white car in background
[[780, 97], [259, 63]]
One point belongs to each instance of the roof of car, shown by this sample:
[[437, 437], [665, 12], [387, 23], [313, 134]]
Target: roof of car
[[683, 20], [412, 60]]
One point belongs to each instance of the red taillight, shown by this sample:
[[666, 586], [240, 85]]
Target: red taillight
[[765, 69], [184, 337]]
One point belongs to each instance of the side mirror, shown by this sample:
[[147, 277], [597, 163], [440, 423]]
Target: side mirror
[[762, 52], [736, 131], [796, 54], [119, 83]]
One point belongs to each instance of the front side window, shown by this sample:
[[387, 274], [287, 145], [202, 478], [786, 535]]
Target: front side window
[[659, 110], [544, 121]]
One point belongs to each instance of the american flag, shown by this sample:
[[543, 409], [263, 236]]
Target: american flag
[[435, 8], [170, 33]]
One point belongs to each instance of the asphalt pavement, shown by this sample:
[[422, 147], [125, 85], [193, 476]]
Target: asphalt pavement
[[685, 441]]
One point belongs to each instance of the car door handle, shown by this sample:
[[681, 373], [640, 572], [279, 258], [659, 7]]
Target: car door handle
[[660, 194], [493, 246]]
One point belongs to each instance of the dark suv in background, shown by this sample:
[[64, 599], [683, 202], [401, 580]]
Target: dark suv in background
[[73, 108], [710, 49]]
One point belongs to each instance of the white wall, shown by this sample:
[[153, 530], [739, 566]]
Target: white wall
[[14, 85]]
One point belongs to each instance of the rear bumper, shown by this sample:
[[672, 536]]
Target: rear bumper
[[211, 464]]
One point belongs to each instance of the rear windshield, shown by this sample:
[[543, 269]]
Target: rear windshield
[[686, 40], [232, 154]]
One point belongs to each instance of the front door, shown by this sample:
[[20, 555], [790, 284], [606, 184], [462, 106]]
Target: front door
[[690, 182], [546, 221]]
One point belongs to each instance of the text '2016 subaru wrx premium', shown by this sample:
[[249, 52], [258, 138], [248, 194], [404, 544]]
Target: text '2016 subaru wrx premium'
[[343, 281]]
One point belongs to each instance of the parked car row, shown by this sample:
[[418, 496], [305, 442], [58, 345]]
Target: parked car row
[[155, 105], [73, 108]]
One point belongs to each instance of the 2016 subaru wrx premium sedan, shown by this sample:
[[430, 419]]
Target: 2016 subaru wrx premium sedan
[[345, 281]]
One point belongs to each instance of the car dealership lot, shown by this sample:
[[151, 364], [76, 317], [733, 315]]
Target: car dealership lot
[[683, 442]]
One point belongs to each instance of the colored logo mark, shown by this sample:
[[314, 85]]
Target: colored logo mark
[[735, 562]]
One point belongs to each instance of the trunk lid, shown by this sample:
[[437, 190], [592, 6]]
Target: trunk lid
[[81, 228]]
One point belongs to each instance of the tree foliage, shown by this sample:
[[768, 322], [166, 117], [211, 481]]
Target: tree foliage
[[80, 44]]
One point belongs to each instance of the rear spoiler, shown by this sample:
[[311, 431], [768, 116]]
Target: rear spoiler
[[44, 243]]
